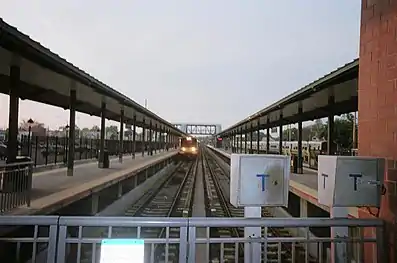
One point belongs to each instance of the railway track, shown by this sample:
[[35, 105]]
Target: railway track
[[217, 193], [172, 198], [219, 206]]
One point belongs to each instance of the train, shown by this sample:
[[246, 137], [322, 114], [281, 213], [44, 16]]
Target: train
[[288, 147], [188, 148], [310, 149]]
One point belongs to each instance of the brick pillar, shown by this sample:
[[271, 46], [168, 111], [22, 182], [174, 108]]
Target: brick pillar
[[377, 102]]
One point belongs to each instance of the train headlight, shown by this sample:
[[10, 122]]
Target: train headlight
[[194, 149], [183, 149]]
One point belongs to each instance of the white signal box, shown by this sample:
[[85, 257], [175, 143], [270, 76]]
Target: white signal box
[[349, 181], [259, 180]]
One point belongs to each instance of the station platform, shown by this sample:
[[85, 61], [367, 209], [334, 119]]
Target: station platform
[[54, 189], [302, 185]]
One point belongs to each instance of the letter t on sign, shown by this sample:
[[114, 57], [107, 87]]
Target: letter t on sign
[[355, 176], [324, 176], [263, 176]]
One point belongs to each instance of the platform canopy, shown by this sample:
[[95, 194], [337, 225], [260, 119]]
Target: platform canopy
[[47, 78], [333, 94]]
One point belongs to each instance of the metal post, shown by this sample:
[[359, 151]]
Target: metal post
[[268, 140], [245, 142], [330, 131], [161, 138], [56, 150], [339, 253], [12, 148], [251, 135], [330, 137], [143, 144], [280, 142], [252, 251], [72, 130], [133, 136], [121, 139], [258, 137], [29, 143], [150, 138], [241, 140], [233, 141], [300, 158], [381, 250], [102, 136], [354, 146], [155, 138], [237, 143], [300, 137], [167, 140]]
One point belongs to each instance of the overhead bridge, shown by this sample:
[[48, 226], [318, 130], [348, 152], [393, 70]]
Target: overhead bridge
[[199, 129]]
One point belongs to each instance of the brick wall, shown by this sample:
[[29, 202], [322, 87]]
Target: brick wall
[[377, 104]]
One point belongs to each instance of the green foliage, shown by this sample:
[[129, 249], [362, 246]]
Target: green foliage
[[112, 132], [95, 128], [343, 131]]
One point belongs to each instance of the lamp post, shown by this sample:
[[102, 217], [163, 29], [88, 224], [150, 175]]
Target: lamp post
[[30, 122]]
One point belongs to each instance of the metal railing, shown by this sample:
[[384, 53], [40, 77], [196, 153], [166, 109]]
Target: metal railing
[[28, 238], [46, 150], [15, 185], [77, 239]]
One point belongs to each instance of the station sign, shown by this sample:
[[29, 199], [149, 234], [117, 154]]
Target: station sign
[[122, 251], [350, 181], [259, 180]]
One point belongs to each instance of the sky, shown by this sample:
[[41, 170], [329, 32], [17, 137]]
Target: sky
[[194, 61]]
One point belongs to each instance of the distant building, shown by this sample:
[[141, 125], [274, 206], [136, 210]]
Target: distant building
[[37, 129]]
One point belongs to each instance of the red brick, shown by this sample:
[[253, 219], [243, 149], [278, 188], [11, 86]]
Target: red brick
[[381, 7], [384, 27], [391, 61], [367, 13], [377, 95]]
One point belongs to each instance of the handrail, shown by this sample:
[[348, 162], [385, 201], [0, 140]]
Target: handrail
[[58, 239], [27, 163]]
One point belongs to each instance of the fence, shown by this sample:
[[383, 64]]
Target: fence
[[45, 150], [15, 185], [77, 239]]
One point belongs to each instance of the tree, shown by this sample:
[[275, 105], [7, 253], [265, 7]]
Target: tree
[[307, 133], [95, 128], [290, 134], [343, 131], [319, 129], [24, 125], [112, 132]]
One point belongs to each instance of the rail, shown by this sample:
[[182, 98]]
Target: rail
[[169, 198], [226, 209], [15, 185], [66, 238], [137, 208], [285, 252]]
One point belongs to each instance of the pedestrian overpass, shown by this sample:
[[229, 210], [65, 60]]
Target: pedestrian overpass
[[199, 129]]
